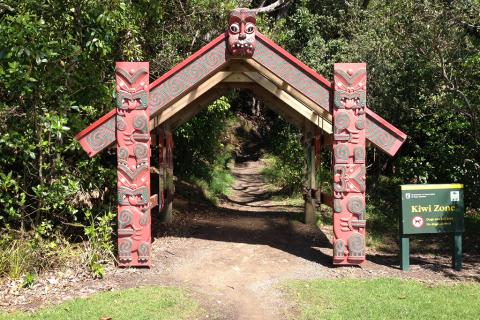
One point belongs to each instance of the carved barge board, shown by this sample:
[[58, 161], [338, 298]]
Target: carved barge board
[[133, 168], [292, 71], [213, 57], [163, 91]]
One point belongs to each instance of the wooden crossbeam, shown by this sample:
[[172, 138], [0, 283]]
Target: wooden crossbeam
[[195, 93], [195, 107], [290, 101], [289, 89], [280, 107]]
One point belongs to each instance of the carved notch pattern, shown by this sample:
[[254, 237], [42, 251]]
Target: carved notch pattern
[[349, 163], [133, 156]]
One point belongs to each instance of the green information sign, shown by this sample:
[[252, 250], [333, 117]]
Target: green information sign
[[432, 208]]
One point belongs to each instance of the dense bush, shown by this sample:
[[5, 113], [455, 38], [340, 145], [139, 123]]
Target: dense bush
[[423, 60], [56, 77]]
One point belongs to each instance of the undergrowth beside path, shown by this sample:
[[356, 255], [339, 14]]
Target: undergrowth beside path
[[383, 299]]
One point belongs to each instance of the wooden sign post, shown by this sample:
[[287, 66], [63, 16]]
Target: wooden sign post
[[432, 208]]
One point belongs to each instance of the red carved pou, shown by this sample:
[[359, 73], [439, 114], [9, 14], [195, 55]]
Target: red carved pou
[[133, 152], [349, 163], [241, 32]]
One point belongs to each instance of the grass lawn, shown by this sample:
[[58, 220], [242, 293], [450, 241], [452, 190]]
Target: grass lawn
[[383, 299], [150, 303]]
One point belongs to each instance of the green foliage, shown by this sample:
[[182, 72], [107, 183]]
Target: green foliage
[[28, 280], [383, 299], [33, 253], [423, 62], [203, 151], [286, 163], [156, 303], [99, 234]]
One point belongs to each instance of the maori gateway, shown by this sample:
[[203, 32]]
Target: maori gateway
[[133, 154], [241, 57], [349, 162]]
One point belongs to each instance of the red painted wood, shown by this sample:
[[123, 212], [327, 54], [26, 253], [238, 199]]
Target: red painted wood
[[293, 74], [293, 60], [133, 153], [242, 25], [104, 132], [189, 60], [101, 134], [384, 123], [349, 120], [96, 124]]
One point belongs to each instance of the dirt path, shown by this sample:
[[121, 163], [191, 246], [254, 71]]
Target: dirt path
[[234, 258], [245, 249]]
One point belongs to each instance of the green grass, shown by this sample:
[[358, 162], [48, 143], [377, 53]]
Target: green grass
[[131, 304], [383, 299]]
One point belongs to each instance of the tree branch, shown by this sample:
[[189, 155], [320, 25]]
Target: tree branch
[[272, 7]]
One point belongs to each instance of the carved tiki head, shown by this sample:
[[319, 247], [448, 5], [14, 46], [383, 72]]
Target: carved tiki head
[[241, 32]]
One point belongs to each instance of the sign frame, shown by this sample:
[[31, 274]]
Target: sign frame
[[431, 209]]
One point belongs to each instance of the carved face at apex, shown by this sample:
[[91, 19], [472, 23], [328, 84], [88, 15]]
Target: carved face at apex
[[241, 32]]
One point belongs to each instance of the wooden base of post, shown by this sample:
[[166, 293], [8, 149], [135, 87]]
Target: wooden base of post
[[457, 251], [310, 214], [405, 252], [166, 214]]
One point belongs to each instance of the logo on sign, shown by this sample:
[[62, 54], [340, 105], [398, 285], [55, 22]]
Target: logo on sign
[[417, 222], [454, 195], [407, 195]]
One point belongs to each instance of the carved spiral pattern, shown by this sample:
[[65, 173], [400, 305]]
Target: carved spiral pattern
[[355, 205], [140, 150], [124, 218], [379, 136], [176, 85], [140, 123], [360, 124], [123, 154], [359, 154], [341, 152], [197, 71], [102, 137], [215, 57], [342, 121], [291, 74], [186, 78], [121, 124], [125, 248], [158, 98], [385, 139], [356, 243]]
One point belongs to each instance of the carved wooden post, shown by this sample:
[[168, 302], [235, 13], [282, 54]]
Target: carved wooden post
[[161, 170], [133, 152], [310, 181], [169, 186], [349, 163], [317, 148]]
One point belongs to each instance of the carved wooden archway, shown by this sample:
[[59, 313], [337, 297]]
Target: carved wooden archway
[[333, 115]]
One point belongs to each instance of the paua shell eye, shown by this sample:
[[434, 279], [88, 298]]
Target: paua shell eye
[[234, 28], [250, 28]]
